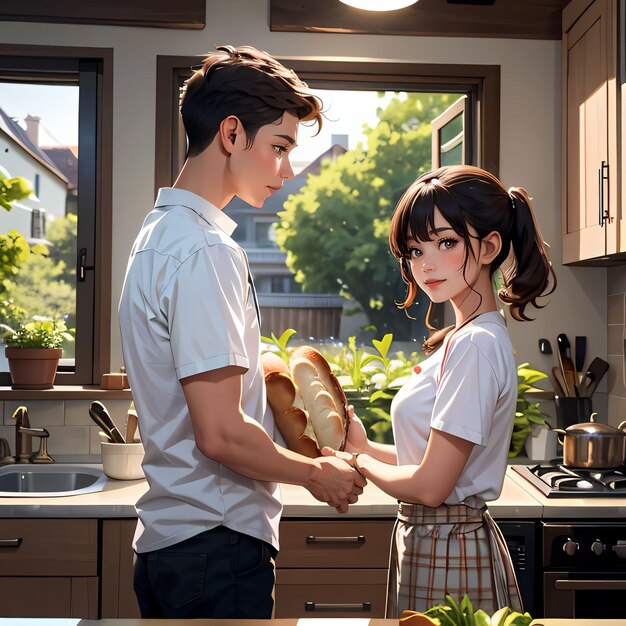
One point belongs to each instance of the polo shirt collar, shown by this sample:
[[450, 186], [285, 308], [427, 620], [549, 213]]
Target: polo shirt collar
[[169, 196]]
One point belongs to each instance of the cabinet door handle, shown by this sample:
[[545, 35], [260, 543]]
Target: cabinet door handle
[[356, 606], [602, 176], [315, 539], [10, 543], [589, 585]]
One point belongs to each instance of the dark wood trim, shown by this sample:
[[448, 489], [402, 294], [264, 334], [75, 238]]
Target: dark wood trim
[[104, 224], [92, 359], [187, 14], [483, 80], [522, 19], [170, 70]]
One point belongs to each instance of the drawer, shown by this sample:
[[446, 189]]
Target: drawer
[[322, 543], [48, 547], [330, 593]]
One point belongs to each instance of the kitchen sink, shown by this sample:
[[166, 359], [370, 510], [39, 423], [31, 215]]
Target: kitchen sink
[[44, 481]]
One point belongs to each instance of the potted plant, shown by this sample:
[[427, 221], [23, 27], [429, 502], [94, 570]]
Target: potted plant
[[528, 416], [33, 351]]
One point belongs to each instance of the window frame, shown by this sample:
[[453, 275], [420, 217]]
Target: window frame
[[481, 82], [94, 69]]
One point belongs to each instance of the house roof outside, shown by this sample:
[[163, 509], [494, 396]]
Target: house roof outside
[[15, 132], [65, 159]]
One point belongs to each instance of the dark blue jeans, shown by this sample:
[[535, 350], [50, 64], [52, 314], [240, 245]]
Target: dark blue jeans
[[219, 573]]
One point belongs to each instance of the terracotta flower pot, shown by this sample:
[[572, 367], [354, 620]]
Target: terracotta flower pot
[[33, 368]]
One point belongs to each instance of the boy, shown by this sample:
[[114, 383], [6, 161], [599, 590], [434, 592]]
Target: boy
[[207, 530]]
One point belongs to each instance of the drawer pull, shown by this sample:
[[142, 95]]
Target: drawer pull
[[315, 539], [10, 543], [356, 606]]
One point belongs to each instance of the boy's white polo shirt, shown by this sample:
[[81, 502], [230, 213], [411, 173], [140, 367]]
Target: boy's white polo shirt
[[187, 308]]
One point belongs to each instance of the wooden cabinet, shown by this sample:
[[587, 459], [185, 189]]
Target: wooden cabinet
[[118, 596], [325, 568], [49, 568], [592, 218], [330, 568]]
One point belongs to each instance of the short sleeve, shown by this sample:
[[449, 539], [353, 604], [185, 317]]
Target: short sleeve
[[205, 308], [467, 394]]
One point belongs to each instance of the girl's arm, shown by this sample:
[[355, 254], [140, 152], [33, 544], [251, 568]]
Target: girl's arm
[[357, 441], [429, 483]]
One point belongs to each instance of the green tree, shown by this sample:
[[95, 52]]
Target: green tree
[[45, 285], [335, 229], [61, 234]]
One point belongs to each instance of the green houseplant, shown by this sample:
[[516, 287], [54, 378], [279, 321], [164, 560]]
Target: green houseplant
[[527, 413], [369, 375], [33, 350]]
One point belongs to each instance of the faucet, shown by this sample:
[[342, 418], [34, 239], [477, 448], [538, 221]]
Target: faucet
[[23, 439]]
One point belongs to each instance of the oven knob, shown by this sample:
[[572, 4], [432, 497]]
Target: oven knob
[[620, 549], [597, 547], [570, 547]]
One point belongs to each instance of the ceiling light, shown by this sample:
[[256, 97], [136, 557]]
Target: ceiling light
[[379, 5]]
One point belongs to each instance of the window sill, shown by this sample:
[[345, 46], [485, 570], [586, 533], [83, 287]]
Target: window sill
[[62, 392]]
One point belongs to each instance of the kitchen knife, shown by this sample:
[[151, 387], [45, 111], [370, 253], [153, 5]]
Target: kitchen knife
[[580, 344], [568, 369], [563, 344], [595, 372], [100, 416]]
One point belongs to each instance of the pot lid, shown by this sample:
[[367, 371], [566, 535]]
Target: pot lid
[[594, 428]]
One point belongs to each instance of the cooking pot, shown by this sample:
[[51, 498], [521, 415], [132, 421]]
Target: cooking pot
[[590, 445]]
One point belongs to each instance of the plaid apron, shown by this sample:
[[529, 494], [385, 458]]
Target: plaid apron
[[451, 549]]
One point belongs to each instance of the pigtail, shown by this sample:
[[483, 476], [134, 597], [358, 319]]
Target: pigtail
[[530, 275]]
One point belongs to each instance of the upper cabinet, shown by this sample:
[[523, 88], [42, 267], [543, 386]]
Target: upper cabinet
[[593, 228]]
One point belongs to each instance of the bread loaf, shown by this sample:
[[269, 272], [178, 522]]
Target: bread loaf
[[292, 419], [308, 403], [323, 396]]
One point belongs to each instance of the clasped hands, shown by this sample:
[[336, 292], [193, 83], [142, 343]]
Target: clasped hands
[[339, 484]]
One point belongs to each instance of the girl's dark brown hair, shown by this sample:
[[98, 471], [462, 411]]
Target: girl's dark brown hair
[[246, 83], [469, 196]]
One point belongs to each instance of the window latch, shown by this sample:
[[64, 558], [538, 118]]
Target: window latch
[[82, 267]]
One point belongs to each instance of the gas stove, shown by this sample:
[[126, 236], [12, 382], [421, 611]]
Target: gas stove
[[555, 480]]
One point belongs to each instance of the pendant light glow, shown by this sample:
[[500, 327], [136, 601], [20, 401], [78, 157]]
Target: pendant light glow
[[379, 5]]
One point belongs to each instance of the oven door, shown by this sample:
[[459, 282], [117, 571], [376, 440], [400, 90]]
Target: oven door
[[584, 594]]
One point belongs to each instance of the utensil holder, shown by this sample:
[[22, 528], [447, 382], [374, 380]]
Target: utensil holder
[[122, 460], [572, 410]]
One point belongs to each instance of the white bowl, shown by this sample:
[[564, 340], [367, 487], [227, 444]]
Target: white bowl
[[122, 460]]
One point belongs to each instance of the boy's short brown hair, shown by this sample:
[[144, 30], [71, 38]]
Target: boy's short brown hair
[[246, 83]]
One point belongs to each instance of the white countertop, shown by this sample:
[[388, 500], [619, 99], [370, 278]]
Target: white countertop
[[119, 496], [519, 500]]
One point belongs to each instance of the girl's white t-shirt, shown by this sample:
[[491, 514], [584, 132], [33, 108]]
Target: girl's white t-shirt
[[473, 396]]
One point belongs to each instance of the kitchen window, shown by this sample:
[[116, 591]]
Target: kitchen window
[[86, 73], [467, 131]]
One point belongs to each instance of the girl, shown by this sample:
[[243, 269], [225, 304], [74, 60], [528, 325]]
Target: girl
[[452, 421]]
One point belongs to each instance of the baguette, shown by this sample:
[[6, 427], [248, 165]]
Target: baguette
[[290, 415], [323, 396]]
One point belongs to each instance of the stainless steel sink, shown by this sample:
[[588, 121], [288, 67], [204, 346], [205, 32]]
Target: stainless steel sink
[[45, 481]]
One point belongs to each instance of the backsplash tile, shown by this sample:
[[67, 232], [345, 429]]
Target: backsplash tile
[[67, 440], [40, 413], [615, 309]]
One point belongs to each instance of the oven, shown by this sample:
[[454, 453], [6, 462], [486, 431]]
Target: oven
[[582, 566], [584, 570]]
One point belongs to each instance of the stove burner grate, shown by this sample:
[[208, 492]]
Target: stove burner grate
[[556, 480]]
